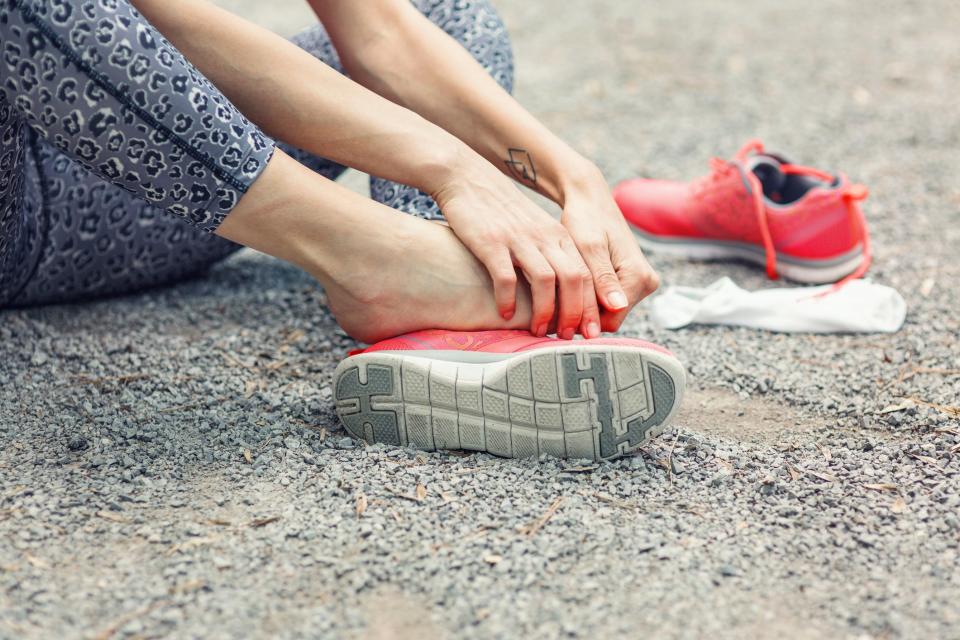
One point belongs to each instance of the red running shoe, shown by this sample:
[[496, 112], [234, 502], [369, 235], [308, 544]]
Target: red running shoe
[[509, 393], [801, 223]]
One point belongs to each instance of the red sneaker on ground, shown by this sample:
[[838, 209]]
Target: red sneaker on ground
[[509, 393], [801, 223]]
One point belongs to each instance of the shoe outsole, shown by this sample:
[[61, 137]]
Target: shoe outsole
[[572, 401], [798, 270]]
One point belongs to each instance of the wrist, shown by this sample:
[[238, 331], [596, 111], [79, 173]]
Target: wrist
[[449, 162], [579, 178]]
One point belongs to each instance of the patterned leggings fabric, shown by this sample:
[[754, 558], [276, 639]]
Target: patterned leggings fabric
[[118, 158]]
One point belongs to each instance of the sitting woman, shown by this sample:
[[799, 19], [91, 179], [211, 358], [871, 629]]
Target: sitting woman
[[122, 121]]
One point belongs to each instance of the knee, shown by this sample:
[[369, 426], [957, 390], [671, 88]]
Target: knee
[[478, 27]]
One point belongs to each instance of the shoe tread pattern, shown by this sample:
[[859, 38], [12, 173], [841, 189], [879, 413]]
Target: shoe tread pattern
[[575, 403]]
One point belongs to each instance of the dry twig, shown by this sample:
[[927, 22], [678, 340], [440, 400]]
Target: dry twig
[[262, 522], [531, 529], [942, 408], [120, 622], [130, 377]]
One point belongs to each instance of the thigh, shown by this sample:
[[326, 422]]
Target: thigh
[[122, 134], [20, 198], [97, 82], [101, 240]]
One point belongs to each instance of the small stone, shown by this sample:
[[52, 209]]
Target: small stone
[[718, 479], [134, 627]]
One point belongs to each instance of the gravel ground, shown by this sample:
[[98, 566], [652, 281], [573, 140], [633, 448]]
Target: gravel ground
[[170, 464]]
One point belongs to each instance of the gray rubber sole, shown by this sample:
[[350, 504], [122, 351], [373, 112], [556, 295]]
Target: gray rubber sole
[[569, 401]]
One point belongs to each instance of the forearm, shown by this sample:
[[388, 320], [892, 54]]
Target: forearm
[[388, 46], [296, 98]]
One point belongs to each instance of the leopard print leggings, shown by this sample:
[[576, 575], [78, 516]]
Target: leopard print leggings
[[110, 141]]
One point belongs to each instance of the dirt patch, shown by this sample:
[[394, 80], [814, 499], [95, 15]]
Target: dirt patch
[[394, 615], [723, 413]]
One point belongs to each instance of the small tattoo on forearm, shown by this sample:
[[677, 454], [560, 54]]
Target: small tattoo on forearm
[[521, 166]]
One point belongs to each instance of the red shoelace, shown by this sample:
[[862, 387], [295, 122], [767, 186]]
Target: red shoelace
[[852, 194]]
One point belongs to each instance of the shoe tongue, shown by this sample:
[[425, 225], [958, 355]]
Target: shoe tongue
[[767, 169]]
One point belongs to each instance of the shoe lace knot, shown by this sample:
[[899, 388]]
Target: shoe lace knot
[[852, 195]]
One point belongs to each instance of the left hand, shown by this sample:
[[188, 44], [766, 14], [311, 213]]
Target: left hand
[[622, 276]]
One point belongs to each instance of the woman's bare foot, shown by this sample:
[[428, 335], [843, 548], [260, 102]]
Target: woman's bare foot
[[385, 273], [411, 274]]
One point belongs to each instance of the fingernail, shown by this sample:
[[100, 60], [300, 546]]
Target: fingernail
[[541, 330], [593, 330], [617, 300], [507, 315], [568, 334]]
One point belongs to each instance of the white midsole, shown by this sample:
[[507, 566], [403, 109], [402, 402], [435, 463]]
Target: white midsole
[[480, 359], [705, 250]]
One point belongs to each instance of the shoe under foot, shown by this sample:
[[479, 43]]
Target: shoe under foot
[[801, 223], [509, 393]]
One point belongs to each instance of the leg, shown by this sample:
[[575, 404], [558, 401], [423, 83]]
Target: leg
[[476, 25], [399, 275], [20, 200], [101, 240], [384, 274], [120, 119]]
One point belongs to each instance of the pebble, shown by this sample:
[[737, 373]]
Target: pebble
[[728, 571]]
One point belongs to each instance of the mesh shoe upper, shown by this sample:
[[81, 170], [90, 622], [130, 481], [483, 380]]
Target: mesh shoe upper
[[755, 198]]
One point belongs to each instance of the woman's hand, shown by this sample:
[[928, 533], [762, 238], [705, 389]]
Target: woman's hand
[[621, 275], [439, 79], [506, 231]]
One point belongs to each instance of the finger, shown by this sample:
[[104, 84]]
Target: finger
[[640, 280], [590, 314], [611, 321], [542, 279], [649, 280], [636, 275], [590, 321], [569, 268], [649, 283], [610, 291], [500, 267]]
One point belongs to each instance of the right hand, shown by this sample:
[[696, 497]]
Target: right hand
[[506, 231]]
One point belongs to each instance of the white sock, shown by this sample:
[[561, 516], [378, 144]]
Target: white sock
[[858, 306]]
